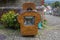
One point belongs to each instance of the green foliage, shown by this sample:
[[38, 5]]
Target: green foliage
[[45, 21], [45, 5], [10, 19], [56, 4]]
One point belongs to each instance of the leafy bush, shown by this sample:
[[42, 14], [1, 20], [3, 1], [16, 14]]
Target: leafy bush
[[9, 19]]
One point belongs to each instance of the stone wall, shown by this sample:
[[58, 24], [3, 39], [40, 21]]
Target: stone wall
[[18, 3]]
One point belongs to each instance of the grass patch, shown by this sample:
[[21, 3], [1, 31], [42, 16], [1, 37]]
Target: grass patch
[[2, 26]]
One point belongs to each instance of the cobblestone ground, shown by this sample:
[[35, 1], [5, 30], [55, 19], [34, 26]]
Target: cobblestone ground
[[53, 20], [50, 33]]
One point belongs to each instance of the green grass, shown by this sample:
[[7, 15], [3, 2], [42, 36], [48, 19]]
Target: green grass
[[2, 26]]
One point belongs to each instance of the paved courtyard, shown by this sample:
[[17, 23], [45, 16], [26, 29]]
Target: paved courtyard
[[50, 33]]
